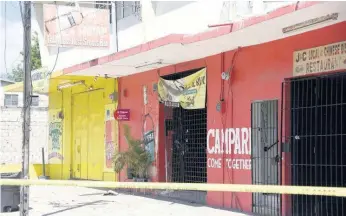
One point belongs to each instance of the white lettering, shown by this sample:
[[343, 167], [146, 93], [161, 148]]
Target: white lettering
[[214, 163], [217, 142], [245, 140], [230, 141], [212, 133], [244, 164], [237, 142]]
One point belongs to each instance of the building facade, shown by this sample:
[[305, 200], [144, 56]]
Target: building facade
[[268, 80]]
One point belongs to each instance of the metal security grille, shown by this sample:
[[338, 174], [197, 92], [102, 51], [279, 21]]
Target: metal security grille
[[265, 155], [315, 110], [187, 140], [185, 146]]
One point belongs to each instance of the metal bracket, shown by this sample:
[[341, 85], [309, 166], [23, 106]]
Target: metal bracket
[[267, 148]]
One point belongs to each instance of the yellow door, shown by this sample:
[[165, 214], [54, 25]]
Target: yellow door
[[80, 133], [96, 135]]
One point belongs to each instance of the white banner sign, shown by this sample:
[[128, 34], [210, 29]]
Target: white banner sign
[[327, 58]]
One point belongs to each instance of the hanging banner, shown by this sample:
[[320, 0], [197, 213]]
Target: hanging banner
[[55, 155], [111, 128], [188, 92], [331, 57]]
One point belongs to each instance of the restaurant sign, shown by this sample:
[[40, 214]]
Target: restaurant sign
[[320, 59]]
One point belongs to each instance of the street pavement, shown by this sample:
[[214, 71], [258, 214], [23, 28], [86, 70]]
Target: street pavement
[[70, 201]]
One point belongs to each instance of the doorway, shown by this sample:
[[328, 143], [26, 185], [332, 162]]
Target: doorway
[[186, 146], [88, 135], [265, 155], [318, 137]]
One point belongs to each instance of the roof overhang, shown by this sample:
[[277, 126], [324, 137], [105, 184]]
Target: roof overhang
[[179, 48]]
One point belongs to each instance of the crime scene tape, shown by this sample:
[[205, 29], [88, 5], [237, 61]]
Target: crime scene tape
[[275, 189]]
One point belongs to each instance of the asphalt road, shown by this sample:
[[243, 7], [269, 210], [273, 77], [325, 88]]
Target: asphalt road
[[69, 201]]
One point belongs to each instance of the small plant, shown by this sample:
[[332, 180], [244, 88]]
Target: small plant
[[135, 158]]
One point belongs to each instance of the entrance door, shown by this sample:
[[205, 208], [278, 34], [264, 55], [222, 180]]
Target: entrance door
[[80, 140], [315, 108], [95, 135], [265, 155]]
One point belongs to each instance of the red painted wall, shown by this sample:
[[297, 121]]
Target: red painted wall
[[257, 74]]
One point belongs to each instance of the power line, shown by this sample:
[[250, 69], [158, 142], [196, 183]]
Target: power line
[[57, 55]]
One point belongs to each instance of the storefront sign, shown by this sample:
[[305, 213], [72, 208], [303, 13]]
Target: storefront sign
[[310, 22], [235, 143], [122, 114], [69, 26], [327, 58], [189, 92], [55, 137], [149, 142]]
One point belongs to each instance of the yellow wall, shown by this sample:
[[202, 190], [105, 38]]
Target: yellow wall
[[35, 170], [60, 169]]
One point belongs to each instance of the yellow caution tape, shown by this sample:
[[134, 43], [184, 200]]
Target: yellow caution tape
[[275, 189]]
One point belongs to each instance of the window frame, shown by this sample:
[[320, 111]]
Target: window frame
[[11, 104]]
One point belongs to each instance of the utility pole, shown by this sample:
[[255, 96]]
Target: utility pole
[[24, 191]]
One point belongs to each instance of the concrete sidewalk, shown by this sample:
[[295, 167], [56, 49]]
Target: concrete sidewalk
[[69, 201]]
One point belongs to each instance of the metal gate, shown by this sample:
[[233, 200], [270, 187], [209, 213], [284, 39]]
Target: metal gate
[[265, 155], [315, 116], [185, 146]]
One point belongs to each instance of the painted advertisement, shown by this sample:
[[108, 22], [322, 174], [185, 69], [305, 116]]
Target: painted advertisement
[[189, 92], [71, 26], [235, 143], [149, 142], [55, 137], [111, 128], [320, 59]]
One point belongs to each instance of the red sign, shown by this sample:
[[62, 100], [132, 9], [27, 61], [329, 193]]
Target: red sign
[[122, 114]]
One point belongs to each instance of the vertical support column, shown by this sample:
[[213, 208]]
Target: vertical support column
[[24, 192]]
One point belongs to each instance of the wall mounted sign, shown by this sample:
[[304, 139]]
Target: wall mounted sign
[[110, 141], [68, 26], [149, 142], [331, 57], [122, 114], [55, 137], [310, 22]]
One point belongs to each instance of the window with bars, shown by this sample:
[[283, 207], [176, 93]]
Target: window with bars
[[11, 100], [127, 8], [105, 5]]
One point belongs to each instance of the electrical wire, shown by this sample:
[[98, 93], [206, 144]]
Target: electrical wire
[[58, 52], [224, 118]]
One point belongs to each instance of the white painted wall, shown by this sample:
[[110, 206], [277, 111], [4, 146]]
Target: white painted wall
[[11, 135], [159, 19]]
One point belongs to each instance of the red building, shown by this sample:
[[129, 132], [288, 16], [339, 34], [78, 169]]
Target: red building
[[266, 124]]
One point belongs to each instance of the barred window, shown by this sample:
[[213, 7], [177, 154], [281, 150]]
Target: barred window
[[11, 100]]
